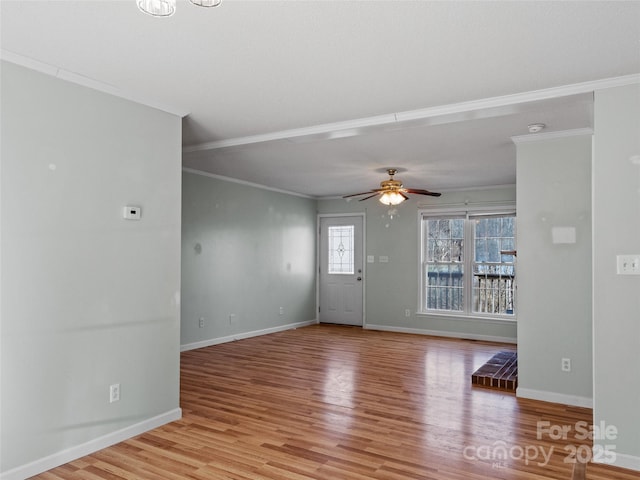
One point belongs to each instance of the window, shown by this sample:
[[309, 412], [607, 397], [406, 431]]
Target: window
[[341, 259], [468, 264]]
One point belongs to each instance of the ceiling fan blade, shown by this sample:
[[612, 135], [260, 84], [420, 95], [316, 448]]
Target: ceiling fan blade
[[421, 192], [405, 197], [370, 196], [356, 194]]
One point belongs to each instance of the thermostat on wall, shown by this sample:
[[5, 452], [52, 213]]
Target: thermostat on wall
[[132, 213]]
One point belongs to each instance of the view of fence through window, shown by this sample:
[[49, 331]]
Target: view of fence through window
[[490, 288], [493, 271], [445, 269]]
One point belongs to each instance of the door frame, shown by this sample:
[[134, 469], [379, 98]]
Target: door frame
[[364, 260]]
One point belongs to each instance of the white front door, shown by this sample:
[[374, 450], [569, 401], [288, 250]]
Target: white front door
[[341, 275]]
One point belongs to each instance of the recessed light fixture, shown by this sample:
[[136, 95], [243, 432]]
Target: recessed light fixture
[[536, 127]]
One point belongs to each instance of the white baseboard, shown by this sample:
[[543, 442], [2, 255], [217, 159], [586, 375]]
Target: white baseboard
[[575, 400], [73, 453], [240, 336], [626, 461], [441, 333]]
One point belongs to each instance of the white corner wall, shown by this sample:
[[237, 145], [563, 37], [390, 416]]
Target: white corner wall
[[88, 299], [554, 269], [616, 298]]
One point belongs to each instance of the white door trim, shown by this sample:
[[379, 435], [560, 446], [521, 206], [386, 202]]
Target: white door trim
[[364, 257]]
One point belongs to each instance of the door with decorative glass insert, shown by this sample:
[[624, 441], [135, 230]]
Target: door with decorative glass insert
[[341, 276]]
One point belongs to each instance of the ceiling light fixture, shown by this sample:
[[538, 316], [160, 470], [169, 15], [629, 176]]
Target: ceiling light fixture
[[206, 3], [157, 8], [166, 8]]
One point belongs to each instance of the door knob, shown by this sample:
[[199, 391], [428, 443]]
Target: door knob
[[359, 279]]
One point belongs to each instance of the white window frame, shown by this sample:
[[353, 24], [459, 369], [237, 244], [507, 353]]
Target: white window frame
[[466, 211]]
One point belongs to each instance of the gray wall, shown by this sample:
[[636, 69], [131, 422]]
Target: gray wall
[[246, 251], [88, 299], [398, 238], [616, 302], [554, 279]]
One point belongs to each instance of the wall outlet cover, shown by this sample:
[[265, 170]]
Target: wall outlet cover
[[114, 393]]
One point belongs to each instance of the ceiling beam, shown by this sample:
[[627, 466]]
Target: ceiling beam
[[451, 113]]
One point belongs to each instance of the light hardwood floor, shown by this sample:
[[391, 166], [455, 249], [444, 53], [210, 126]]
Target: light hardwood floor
[[331, 402]]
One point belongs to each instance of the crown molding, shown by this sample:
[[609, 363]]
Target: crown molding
[[503, 186], [493, 106], [524, 97], [537, 137], [246, 183], [78, 79], [327, 131]]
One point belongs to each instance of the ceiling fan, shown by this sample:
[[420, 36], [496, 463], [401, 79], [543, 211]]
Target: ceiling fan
[[391, 191]]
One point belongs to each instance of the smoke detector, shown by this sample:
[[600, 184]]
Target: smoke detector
[[536, 127]]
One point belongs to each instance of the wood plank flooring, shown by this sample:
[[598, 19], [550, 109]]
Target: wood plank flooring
[[331, 402]]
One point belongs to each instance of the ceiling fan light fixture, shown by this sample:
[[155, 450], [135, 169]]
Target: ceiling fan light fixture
[[391, 191], [157, 8], [391, 198]]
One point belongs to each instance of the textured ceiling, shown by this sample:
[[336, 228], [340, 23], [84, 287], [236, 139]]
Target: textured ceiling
[[248, 69]]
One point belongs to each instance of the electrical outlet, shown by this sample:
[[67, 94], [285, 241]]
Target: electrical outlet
[[114, 393], [201, 322], [566, 364], [407, 313], [281, 310], [232, 318]]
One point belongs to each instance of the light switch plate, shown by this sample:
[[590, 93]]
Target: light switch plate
[[628, 264], [371, 258]]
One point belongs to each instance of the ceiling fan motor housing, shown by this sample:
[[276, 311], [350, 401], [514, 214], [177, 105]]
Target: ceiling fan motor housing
[[391, 184]]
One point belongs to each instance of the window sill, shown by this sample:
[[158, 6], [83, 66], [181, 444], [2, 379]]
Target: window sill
[[468, 318]]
